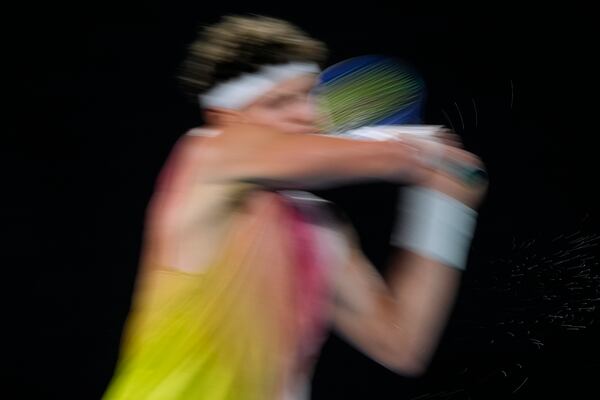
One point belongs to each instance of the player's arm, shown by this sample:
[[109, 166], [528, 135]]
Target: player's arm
[[309, 161], [399, 322]]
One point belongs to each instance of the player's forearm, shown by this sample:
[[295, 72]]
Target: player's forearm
[[423, 292], [433, 237], [319, 161]]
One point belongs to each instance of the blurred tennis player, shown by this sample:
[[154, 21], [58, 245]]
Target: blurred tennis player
[[243, 272]]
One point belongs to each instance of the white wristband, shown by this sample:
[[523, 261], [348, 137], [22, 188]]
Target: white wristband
[[434, 225]]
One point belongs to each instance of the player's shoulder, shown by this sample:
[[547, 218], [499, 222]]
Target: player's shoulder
[[194, 151]]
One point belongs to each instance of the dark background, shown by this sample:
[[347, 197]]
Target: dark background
[[94, 109]]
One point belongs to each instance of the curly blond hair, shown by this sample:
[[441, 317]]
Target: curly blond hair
[[239, 44]]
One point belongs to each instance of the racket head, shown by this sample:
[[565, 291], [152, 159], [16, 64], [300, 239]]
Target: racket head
[[368, 90]]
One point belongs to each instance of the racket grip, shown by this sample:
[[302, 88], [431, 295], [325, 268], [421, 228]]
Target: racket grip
[[469, 174]]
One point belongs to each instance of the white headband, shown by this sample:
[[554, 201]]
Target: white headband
[[241, 91]]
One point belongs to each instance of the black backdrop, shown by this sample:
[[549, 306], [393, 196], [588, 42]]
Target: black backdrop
[[94, 110]]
